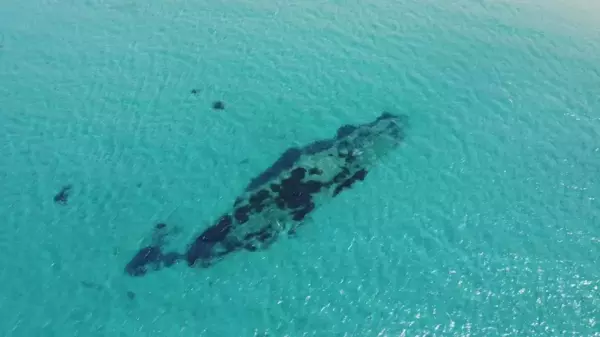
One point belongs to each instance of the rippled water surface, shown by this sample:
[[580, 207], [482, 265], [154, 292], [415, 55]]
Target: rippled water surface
[[484, 223]]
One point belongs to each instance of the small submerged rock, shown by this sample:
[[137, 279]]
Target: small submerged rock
[[218, 105], [130, 295], [62, 197]]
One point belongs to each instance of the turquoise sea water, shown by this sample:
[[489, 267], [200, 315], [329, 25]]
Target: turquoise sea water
[[486, 222]]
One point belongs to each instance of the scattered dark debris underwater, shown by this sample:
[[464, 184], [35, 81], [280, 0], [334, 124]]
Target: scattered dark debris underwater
[[62, 197], [218, 105], [279, 199]]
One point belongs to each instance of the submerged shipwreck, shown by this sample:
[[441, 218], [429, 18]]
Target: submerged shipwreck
[[279, 200]]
